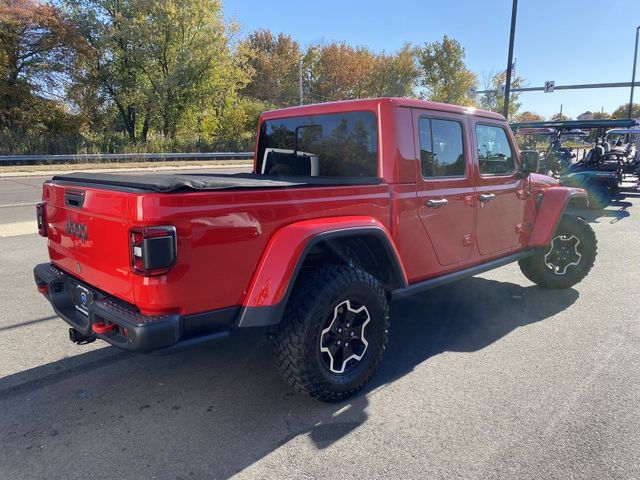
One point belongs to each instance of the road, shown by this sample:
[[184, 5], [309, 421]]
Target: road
[[19, 195], [487, 378]]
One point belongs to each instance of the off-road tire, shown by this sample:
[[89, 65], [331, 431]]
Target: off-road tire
[[535, 267], [297, 339]]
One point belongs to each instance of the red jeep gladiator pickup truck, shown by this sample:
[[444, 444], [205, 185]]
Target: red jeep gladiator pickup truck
[[349, 205]]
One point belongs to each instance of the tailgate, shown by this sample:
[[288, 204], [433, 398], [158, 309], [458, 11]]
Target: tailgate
[[88, 235]]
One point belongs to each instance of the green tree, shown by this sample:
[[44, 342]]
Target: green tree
[[183, 53], [274, 61], [394, 75], [444, 74], [559, 117], [494, 101], [110, 62], [623, 111], [162, 64]]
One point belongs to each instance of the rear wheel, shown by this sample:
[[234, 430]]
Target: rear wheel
[[333, 333], [567, 259]]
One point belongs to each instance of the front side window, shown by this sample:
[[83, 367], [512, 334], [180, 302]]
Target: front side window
[[441, 148], [494, 150], [332, 145]]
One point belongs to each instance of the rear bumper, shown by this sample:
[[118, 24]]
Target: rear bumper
[[122, 325]]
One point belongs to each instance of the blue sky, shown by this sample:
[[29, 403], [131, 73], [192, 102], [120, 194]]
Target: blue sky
[[569, 41]]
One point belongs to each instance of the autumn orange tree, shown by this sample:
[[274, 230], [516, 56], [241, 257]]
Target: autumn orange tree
[[36, 48], [114, 75], [528, 117], [338, 71]]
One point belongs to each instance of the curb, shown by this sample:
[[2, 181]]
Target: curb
[[153, 168]]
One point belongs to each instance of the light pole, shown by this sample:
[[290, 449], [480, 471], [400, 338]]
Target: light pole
[[300, 82], [507, 87], [633, 75]]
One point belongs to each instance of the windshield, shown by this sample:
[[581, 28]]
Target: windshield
[[332, 145]]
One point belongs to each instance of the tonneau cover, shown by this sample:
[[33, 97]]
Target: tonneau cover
[[168, 182]]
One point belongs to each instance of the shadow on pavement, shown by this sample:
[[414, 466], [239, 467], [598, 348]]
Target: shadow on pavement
[[30, 322], [210, 413]]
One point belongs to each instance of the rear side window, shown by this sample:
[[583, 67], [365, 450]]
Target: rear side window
[[494, 150], [332, 145], [441, 148]]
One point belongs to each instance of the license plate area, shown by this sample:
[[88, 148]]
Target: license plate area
[[82, 298]]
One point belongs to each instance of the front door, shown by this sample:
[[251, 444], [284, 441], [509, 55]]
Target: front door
[[501, 193], [444, 186]]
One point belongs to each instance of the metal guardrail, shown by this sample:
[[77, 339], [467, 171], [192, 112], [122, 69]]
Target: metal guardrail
[[119, 157]]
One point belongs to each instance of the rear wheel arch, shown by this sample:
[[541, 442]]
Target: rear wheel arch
[[367, 248]]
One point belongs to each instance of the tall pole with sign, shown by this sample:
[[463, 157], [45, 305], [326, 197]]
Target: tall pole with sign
[[512, 34], [300, 82]]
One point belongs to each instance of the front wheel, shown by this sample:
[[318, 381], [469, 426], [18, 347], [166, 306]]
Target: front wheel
[[333, 333], [567, 259]]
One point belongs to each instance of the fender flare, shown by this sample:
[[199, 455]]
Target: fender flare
[[550, 211], [284, 255], [587, 178]]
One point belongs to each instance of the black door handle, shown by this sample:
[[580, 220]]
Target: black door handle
[[437, 203], [486, 197], [74, 198]]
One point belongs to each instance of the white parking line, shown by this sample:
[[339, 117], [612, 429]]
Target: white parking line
[[18, 228], [6, 205]]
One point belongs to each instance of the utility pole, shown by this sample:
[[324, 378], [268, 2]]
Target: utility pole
[[512, 34], [633, 75], [561, 111], [300, 82]]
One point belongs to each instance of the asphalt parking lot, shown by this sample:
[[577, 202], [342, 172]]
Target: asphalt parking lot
[[487, 378]]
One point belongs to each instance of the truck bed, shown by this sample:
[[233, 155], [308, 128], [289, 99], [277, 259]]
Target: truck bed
[[223, 224], [169, 182]]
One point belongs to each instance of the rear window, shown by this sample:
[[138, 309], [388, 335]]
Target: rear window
[[441, 150], [332, 145]]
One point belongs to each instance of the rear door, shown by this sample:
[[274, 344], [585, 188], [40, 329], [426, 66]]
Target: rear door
[[501, 192], [444, 184]]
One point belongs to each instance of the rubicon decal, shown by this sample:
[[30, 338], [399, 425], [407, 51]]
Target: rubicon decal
[[78, 230]]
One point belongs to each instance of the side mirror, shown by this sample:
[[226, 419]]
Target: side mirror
[[530, 160]]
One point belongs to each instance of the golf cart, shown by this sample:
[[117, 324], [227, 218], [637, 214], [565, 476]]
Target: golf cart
[[623, 141], [598, 172], [529, 139]]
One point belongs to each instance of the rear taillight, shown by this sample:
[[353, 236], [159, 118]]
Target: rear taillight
[[153, 250], [42, 221]]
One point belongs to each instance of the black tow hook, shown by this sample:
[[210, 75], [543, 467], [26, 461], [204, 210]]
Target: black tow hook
[[80, 338]]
